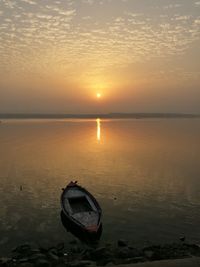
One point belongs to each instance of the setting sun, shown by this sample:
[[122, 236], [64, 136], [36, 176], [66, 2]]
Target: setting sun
[[98, 95]]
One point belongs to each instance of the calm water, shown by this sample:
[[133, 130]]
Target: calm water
[[144, 173]]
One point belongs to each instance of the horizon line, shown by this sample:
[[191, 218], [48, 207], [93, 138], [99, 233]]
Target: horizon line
[[101, 115]]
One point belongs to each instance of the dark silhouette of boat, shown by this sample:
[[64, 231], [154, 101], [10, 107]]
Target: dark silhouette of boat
[[81, 213], [87, 238]]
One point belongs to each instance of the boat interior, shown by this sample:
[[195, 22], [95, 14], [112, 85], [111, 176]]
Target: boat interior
[[79, 204]]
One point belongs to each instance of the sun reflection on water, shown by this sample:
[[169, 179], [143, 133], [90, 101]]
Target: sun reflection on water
[[98, 130]]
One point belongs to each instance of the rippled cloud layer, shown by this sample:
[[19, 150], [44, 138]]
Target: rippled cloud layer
[[89, 38]]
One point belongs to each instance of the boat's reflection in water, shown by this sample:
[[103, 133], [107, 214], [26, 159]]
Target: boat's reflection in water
[[83, 236]]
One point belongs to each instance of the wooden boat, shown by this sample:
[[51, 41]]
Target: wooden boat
[[81, 209]]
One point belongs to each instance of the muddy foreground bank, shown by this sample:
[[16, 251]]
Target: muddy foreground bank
[[82, 256]]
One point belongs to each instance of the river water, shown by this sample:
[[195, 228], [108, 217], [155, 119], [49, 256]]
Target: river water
[[144, 173]]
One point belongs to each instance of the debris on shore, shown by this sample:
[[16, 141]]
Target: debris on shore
[[77, 256]]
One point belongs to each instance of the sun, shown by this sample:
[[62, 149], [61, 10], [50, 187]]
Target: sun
[[98, 95]]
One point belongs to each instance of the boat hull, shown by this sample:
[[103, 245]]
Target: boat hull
[[80, 210], [81, 233]]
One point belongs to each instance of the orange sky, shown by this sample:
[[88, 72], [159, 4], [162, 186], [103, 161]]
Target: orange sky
[[55, 56]]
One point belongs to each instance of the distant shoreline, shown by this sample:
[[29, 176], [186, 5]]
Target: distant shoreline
[[98, 115]]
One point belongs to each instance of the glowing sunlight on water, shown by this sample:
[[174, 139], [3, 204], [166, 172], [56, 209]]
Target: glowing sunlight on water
[[98, 130]]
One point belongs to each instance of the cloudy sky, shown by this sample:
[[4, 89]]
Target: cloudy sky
[[139, 55]]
